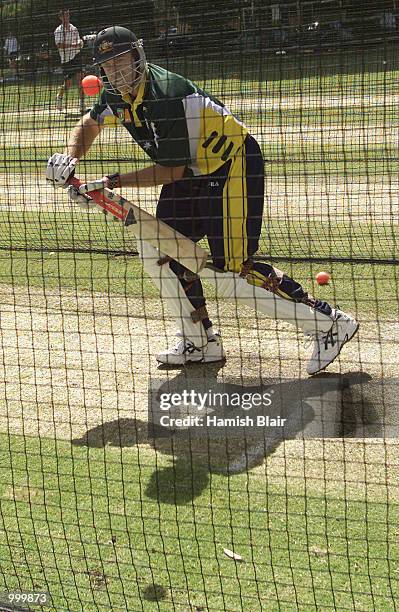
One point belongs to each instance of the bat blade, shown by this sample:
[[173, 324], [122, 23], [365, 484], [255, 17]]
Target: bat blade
[[146, 227]]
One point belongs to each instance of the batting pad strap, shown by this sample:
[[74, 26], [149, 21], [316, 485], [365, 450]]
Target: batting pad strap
[[199, 315], [164, 260], [246, 267]]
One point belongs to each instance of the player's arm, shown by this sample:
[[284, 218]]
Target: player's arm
[[152, 175], [72, 45], [173, 153], [146, 177], [82, 137]]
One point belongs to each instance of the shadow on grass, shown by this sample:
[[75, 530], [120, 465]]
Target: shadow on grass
[[324, 406]]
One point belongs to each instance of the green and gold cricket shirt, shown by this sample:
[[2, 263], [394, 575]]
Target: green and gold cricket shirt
[[175, 122]]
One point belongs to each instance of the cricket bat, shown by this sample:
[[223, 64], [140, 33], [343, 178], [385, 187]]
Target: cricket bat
[[146, 227]]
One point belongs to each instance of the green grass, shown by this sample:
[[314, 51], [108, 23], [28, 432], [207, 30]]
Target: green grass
[[103, 525], [82, 272], [357, 287], [282, 76], [346, 73], [360, 288], [349, 116], [62, 230], [296, 238]]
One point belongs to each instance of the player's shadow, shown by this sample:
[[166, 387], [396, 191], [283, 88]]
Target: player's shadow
[[313, 408]]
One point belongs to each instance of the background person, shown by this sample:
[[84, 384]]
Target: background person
[[11, 49], [69, 44], [388, 21]]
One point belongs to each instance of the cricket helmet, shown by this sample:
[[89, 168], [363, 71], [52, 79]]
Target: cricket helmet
[[114, 42]]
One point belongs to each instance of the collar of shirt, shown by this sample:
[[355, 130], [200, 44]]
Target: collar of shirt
[[134, 104]]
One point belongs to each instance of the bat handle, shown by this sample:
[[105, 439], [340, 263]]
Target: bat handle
[[74, 181], [106, 199], [94, 195]]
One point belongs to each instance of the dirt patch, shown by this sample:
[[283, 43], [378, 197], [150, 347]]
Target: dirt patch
[[30, 192], [372, 199]]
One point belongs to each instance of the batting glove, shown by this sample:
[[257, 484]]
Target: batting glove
[[60, 168], [109, 182], [83, 201]]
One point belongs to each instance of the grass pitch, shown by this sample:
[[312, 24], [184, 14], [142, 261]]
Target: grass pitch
[[94, 510]]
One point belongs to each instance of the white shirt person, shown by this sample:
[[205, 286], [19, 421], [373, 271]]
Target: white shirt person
[[68, 36], [69, 44], [11, 45]]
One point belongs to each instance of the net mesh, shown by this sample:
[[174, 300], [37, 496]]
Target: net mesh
[[98, 510], [325, 122]]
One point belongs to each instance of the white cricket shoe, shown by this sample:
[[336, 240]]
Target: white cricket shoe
[[185, 351], [59, 103], [328, 345]]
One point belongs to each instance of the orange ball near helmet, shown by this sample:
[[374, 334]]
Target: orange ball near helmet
[[91, 85]]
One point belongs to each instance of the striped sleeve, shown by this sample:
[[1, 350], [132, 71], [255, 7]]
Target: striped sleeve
[[215, 134]]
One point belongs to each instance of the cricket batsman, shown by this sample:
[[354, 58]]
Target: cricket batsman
[[212, 176]]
